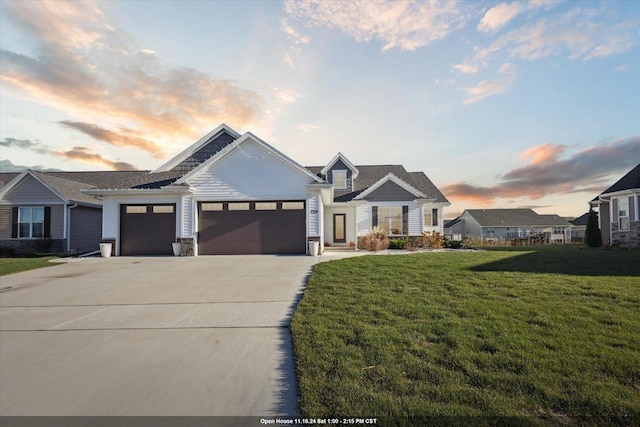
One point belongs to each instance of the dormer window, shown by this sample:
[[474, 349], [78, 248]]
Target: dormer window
[[339, 178]]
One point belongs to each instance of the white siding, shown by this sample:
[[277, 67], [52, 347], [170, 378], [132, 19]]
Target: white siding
[[31, 192], [313, 224], [189, 211], [415, 219], [250, 173], [364, 219]]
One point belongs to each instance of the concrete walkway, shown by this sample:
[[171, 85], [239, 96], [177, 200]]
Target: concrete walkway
[[151, 336]]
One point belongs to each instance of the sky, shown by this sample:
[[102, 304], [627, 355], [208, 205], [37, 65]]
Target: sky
[[502, 104]]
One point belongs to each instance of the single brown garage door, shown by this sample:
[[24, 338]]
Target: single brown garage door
[[265, 227], [147, 229]]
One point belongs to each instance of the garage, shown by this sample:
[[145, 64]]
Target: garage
[[147, 229], [243, 228]]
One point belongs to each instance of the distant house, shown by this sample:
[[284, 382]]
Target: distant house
[[454, 229], [619, 211], [511, 224], [579, 227]]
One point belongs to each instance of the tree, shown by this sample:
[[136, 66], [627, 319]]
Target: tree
[[592, 233]]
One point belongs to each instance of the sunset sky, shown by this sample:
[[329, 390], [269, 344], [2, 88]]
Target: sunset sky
[[517, 104]]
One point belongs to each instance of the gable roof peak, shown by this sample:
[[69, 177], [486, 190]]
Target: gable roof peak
[[194, 148], [344, 159]]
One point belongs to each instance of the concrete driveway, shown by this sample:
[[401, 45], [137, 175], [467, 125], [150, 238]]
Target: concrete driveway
[[151, 336]]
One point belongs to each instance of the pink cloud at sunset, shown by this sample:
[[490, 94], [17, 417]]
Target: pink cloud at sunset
[[86, 67], [547, 174]]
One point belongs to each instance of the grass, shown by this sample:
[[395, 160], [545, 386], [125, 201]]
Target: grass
[[549, 334], [15, 265]]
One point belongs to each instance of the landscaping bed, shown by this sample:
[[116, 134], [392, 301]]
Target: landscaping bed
[[548, 335]]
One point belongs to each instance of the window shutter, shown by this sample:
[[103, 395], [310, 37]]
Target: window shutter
[[14, 223], [405, 220], [374, 216], [632, 210], [434, 217], [47, 222], [614, 206]]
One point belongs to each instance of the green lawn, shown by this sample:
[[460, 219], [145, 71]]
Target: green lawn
[[548, 334], [15, 265]]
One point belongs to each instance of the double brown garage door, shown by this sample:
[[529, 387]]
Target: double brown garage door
[[264, 227]]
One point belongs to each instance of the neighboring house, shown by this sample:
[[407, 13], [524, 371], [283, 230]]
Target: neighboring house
[[44, 212], [454, 229], [579, 228], [619, 211], [513, 224], [49, 211], [236, 194]]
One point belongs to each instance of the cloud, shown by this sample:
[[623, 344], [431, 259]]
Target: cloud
[[405, 25], [25, 144], [491, 87], [81, 63], [498, 16], [295, 36], [306, 127], [85, 154], [541, 154], [285, 96], [580, 33], [7, 166], [126, 138], [587, 171], [82, 154]]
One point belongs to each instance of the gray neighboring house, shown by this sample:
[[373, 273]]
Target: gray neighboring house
[[579, 228], [454, 229], [619, 211], [50, 212], [511, 224]]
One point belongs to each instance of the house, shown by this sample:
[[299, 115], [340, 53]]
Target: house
[[454, 229], [50, 212], [619, 211], [513, 223], [235, 194], [579, 228]]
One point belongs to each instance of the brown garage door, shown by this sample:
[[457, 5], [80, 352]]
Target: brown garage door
[[147, 229], [265, 227]]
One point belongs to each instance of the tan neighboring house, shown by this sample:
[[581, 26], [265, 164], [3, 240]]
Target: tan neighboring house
[[619, 211]]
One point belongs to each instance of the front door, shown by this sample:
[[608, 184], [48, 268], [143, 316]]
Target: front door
[[339, 228]]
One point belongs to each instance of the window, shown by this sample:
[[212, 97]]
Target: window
[[558, 230], [291, 206], [266, 206], [339, 179], [623, 214], [136, 209], [390, 219], [31, 222], [163, 209], [207, 207], [430, 217], [239, 206]]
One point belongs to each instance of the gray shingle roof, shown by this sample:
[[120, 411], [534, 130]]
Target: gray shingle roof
[[627, 182], [581, 220], [121, 179], [370, 174], [514, 218], [7, 177], [70, 190]]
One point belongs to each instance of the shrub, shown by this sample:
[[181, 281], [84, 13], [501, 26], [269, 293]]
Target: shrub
[[7, 252], [397, 243], [432, 240], [592, 234], [375, 240], [452, 244]]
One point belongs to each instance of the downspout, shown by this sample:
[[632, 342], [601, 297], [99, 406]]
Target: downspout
[[69, 207]]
